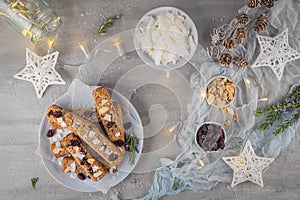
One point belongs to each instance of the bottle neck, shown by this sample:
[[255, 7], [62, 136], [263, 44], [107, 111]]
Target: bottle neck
[[33, 19]]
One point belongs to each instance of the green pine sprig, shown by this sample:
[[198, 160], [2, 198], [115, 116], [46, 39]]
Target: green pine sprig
[[34, 181], [287, 123], [281, 110], [105, 25], [175, 185], [132, 142]]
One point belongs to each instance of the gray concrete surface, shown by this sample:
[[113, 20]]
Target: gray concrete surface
[[21, 112]]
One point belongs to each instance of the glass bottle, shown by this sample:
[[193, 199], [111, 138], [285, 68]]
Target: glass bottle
[[32, 18]]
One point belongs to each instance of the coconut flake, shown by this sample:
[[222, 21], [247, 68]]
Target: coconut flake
[[79, 155], [95, 168], [165, 38], [85, 137], [92, 133], [107, 117], [56, 150], [59, 120], [103, 147], [108, 151], [57, 143], [97, 174], [63, 124], [96, 141], [73, 166]]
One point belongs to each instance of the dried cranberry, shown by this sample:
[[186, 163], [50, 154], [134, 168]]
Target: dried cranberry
[[203, 137], [83, 160], [57, 114], [73, 143], [81, 176], [50, 113], [90, 169], [113, 157], [110, 124], [221, 145], [50, 133], [210, 137], [209, 127], [82, 150], [200, 142], [213, 146], [204, 128], [119, 143]]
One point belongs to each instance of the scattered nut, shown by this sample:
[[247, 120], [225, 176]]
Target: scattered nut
[[68, 121], [103, 102], [97, 174], [220, 91], [235, 117], [211, 99], [230, 111], [227, 123], [91, 160], [103, 110], [224, 111]]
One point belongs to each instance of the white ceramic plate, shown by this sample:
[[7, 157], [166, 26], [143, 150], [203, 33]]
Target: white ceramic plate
[[70, 180], [189, 24]]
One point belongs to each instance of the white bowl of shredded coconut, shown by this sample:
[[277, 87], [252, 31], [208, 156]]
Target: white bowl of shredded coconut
[[166, 38]]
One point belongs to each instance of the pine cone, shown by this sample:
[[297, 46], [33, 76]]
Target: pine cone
[[241, 62], [243, 18], [252, 3], [225, 59], [240, 35], [229, 43], [267, 3], [261, 23]]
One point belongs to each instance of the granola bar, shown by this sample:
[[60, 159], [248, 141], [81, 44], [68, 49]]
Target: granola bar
[[69, 165], [91, 166], [57, 150], [87, 131], [108, 115]]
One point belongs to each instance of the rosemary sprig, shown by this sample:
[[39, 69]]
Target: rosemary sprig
[[175, 185], [290, 104], [287, 123], [108, 23], [33, 182], [131, 145]]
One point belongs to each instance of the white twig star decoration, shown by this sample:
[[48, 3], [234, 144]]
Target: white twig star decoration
[[40, 71], [247, 166], [275, 52]]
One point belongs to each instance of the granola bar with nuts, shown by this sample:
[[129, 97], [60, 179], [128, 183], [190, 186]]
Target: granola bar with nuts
[[87, 131], [92, 167], [108, 115]]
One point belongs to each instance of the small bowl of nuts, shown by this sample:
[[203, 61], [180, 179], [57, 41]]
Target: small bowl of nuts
[[210, 137], [220, 91]]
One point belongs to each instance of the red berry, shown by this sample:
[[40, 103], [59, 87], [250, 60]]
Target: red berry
[[57, 114], [50, 133], [81, 176]]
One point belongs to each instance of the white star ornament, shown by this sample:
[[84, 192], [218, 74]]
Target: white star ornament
[[275, 52], [247, 166], [40, 71]]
